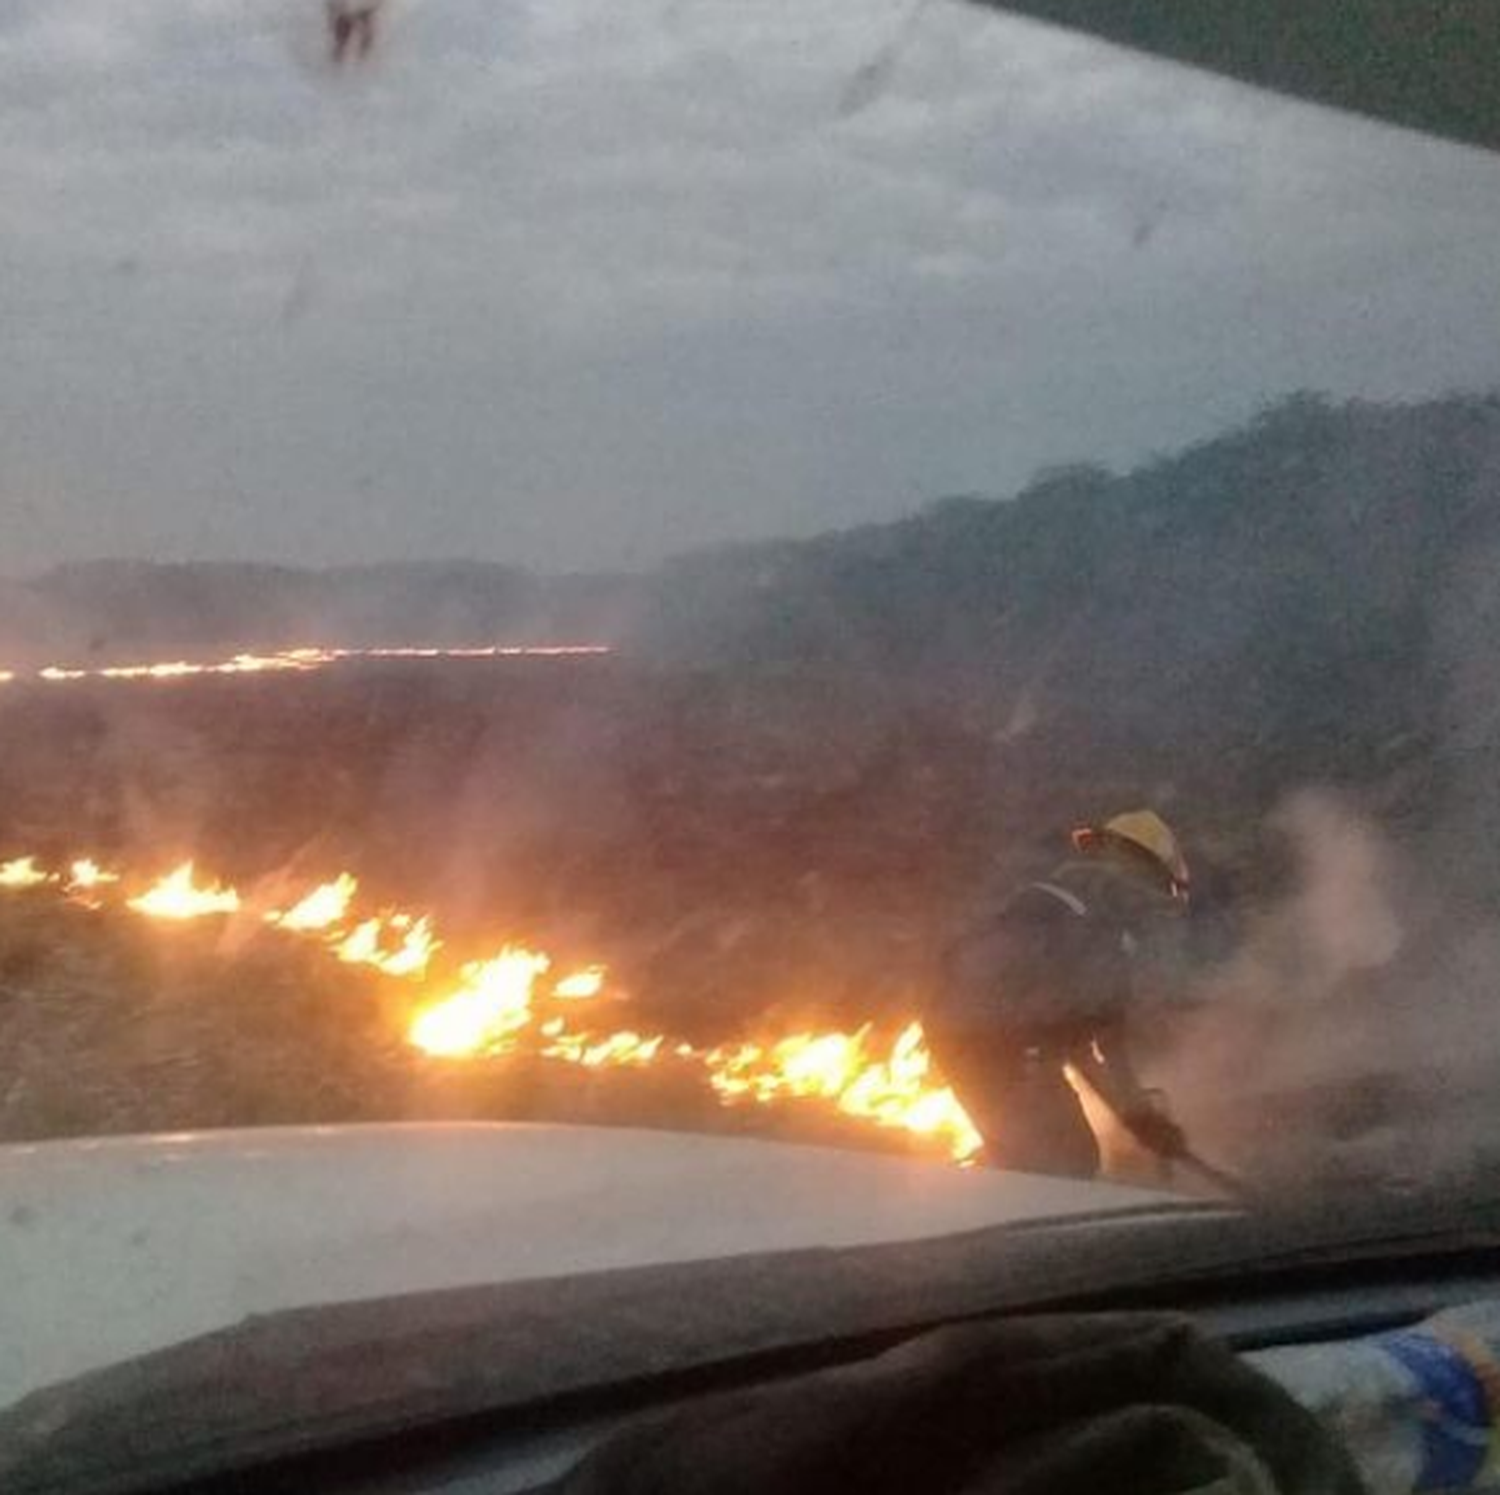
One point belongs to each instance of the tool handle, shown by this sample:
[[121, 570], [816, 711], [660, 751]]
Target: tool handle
[[1236, 1188]]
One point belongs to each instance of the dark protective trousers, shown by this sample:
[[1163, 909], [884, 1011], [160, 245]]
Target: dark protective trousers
[[1016, 1093]]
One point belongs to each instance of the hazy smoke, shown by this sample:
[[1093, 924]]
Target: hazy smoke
[[1342, 920], [1344, 1038]]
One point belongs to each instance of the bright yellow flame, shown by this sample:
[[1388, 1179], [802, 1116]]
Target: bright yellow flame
[[86, 874], [594, 1052], [362, 946], [581, 984], [22, 872], [411, 956], [901, 1092], [304, 659], [173, 670], [803, 1064], [490, 1008], [177, 896], [365, 945], [898, 1090], [491, 1005], [323, 907]]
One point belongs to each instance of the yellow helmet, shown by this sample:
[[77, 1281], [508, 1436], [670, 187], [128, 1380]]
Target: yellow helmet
[[1145, 831]]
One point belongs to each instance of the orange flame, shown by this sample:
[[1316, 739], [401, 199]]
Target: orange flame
[[489, 1011], [491, 1005], [897, 1090], [901, 1092], [177, 896], [301, 660], [324, 907]]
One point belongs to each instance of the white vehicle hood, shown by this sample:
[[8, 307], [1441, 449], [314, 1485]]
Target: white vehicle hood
[[113, 1247]]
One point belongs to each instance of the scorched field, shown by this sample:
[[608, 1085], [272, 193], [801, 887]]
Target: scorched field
[[340, 885]]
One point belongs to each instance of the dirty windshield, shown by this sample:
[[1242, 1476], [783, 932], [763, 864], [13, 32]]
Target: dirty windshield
[[870, 575]]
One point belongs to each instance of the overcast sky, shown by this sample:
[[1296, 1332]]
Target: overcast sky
[[583, 282]]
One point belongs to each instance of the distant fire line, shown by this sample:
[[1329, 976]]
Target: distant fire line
[[298, 661]]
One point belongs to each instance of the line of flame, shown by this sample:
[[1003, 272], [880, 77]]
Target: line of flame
[[490, 1008], [297, 661]]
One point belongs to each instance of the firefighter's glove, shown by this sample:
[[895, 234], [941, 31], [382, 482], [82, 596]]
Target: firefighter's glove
[[1159, 1133]]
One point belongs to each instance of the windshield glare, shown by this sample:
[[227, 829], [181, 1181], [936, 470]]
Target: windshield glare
[[875, 575]]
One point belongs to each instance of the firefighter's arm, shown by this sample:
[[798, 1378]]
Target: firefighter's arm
[[1105, 1064]]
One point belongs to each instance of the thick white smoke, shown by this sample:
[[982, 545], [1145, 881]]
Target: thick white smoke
[[1346, 1036]]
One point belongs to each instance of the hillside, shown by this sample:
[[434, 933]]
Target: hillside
[[1309, 599]]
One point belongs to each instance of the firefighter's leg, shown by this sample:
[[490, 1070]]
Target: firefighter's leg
[[1026, 1111], [1044, 1129]]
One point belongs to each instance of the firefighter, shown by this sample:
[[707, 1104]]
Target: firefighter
[[1044, 982]]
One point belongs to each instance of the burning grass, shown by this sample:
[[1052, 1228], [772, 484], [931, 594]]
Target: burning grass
[[634, 832], [298, 661], [265, 976]]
